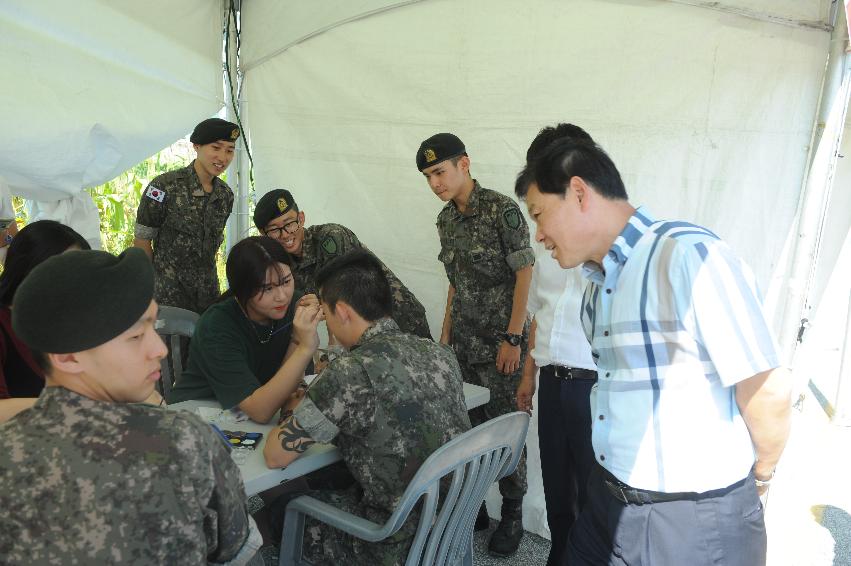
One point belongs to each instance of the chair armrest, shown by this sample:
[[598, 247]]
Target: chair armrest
[[337, 518]]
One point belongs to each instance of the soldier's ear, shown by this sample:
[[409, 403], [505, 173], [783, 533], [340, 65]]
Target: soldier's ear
[[66, 363], [301, 217]]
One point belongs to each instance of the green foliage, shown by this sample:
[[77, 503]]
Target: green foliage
[[118, 199]]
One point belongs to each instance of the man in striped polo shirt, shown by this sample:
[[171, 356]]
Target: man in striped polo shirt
[[691, 411]]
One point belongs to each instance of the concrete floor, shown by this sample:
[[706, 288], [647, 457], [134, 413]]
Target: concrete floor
[[808, 511]]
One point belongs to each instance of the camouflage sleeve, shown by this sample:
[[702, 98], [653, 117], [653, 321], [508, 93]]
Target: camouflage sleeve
[[342, 395], [336, 240], [151, 212], [514, 236], [314, 422], [228, 527]]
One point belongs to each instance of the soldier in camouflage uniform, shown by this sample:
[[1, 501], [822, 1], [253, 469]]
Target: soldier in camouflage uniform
[[89, 477], [277, 215], [387, 404], [184, 213], [484, 247]]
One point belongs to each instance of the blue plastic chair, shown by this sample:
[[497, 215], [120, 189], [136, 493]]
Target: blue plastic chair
[[444, 535], [172, 324]]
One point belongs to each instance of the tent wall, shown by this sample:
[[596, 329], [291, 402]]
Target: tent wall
[[93, 87], [708, 115]]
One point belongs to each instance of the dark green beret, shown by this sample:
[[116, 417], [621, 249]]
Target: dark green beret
[[273, 204], [213, 130], [81, 299], [437, 148]]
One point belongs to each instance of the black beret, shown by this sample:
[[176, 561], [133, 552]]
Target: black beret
[[273, 204], [81, 299], [213, 130], [437, 148]]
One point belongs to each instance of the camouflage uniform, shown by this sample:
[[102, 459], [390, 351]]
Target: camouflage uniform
[[481, 250], [324, 242], [387, 404], [186, 225], [91, 482]]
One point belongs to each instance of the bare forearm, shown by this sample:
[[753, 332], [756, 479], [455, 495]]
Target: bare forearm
[[146, 246], [764, 402], [446, 330], [266, 400], [518, 303]]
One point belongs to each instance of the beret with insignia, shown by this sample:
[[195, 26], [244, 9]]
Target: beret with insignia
[[213, 130], [78, 300], [437, 148], [273, 204]]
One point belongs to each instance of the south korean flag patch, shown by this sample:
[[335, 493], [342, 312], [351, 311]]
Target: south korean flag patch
[[155, 193]]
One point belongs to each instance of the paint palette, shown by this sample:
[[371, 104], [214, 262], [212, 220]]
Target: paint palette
[[242, 439]]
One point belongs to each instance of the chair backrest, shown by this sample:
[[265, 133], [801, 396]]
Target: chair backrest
[[174, 324], [473, 461]]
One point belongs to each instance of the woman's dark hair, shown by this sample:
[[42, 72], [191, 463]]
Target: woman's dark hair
[[247, 264], [32, 245]]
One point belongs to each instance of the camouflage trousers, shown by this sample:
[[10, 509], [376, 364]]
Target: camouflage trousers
[[193, 294], [503, 399], [327, 546]]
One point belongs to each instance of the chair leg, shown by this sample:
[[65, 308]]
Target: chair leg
[[292, 538]]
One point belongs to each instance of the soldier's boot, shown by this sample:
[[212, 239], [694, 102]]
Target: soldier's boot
[[483, 522], [506, 537]]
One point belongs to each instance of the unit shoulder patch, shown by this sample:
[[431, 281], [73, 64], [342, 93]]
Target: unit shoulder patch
[[329, 245], [511, 217]]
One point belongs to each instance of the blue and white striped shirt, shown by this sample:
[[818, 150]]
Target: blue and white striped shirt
[[675, 321]]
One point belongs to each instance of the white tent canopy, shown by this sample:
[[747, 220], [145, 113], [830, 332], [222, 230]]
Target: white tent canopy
[[707, 108]]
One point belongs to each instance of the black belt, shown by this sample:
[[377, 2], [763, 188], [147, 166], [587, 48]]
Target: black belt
[[563, 372], [626, 494]]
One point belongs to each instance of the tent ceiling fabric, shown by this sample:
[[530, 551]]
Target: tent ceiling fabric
[[717, 133], [274, 24], [82, 107]]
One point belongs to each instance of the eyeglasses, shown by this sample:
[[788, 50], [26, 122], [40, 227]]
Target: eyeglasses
[[290, 227]]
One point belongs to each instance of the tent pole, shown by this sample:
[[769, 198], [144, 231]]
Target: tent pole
[[815, 195], [237, 227]]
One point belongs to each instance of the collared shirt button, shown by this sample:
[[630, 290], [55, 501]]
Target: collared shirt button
[[608, 291], [608, 374], [602, 418], [606, 333], [602, 457]]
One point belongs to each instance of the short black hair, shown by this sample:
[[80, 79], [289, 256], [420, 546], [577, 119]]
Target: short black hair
[[247, 264], [358, 279], [567, 158], [552, 133], [35, 243], [41, 360]]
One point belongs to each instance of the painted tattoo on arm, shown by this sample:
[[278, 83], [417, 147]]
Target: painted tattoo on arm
[[294, 438]]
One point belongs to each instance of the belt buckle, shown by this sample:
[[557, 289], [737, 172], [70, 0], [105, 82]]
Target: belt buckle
[[563, 372]]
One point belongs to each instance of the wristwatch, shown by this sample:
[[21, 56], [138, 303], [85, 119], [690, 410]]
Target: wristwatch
[[513, 339], [764, 483]]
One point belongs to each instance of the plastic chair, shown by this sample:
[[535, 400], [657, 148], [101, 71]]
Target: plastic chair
[[172, 324], [444, 535]]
